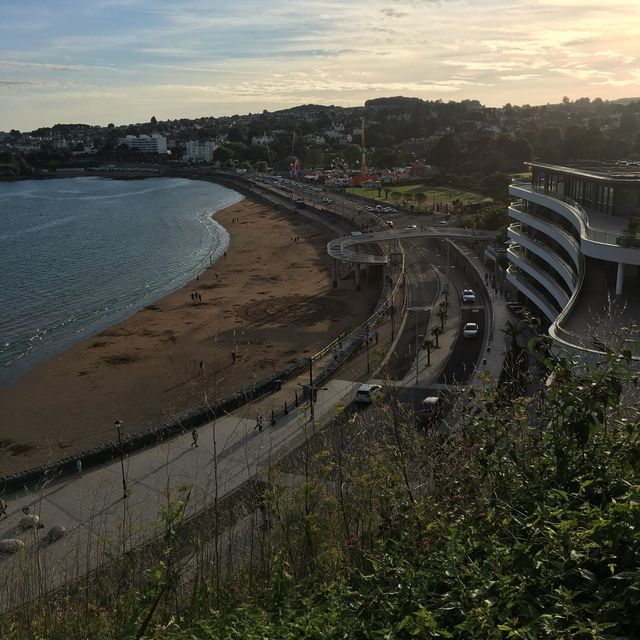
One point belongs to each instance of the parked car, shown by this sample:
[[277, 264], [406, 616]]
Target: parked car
[[442, 223], [470, 330], [389, 223], [327, 200], [468, 295], [430, 411], [366, 393]]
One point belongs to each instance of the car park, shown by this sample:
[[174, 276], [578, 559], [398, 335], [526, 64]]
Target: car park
[[471, 330], [366, 393], [468, 295]]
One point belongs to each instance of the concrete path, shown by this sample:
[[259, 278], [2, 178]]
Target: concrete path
[[99, 520]]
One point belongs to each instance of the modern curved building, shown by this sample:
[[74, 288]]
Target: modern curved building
[[575, 249]]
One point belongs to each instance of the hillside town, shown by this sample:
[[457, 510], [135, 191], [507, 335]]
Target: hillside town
[[393, 137]]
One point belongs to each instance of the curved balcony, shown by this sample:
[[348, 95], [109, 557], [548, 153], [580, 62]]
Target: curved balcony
[[563, 238], [564, 270], [520, 283], [612, 245], [541, 277]]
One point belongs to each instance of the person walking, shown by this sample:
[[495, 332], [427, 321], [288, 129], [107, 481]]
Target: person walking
[[194, 436], [78, 468], [259, 423]]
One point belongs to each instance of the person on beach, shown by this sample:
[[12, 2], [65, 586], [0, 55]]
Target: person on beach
[[194, 436], [78, 468], [259, 423], [233, 357]]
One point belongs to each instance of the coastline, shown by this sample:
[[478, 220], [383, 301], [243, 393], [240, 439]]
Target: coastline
[[268, 303]]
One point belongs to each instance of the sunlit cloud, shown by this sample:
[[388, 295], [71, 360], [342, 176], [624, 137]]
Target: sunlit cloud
[[184, 58]]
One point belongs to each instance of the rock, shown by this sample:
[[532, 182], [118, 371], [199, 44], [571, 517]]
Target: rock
[[11, 545], [30, 521], [55, 533]]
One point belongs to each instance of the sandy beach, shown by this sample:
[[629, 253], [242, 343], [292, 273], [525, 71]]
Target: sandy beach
[[268, 302]]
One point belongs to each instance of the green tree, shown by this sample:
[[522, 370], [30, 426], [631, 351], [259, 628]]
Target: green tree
[[222, 154], [496, 186]]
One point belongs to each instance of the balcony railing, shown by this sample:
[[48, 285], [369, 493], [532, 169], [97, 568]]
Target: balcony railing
[[604, 236]]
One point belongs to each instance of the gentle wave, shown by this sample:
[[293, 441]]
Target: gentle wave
[[69, 271]]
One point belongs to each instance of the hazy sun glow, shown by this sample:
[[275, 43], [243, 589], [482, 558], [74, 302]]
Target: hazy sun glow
[[125, 60]]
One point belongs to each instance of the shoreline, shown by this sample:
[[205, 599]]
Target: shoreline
[[266, 303], [53, 334]]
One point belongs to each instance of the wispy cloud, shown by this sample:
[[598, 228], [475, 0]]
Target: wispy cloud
[[191, 57]]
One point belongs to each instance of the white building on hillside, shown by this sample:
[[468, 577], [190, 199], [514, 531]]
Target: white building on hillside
[[199, 151], [263, 140], [155, 143]]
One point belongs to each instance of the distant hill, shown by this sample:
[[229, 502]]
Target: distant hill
[[392, 103]]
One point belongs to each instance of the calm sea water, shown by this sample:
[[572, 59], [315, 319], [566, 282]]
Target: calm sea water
[[78, 255]]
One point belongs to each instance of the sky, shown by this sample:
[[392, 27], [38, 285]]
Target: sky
[[124, 61]]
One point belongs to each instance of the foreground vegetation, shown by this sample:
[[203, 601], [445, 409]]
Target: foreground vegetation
[[524, 523]]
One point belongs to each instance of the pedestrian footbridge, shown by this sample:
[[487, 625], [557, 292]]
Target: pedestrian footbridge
[[349, 248]]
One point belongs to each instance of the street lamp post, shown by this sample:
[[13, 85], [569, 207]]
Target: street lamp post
[[118, 424]]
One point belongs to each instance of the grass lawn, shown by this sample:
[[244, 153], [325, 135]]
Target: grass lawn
[[439, 195]]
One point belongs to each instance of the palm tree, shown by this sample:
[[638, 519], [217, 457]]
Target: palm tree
[[436, 331], [420, 198], [428, 345], [443, 313]]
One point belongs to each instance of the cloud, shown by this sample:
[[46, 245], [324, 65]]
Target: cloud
[[168, 55], [393, 13], [41, 66]]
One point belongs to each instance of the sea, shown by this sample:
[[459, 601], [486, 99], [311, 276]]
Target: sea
[[80, 254]]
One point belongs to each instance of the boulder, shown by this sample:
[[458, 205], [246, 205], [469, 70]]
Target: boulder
[[55, 533], [11, 545], [30, 521]]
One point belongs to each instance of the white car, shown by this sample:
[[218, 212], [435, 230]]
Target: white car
[[468, 295], [327, 200], [470, 330], [442, 223], [366, 393]]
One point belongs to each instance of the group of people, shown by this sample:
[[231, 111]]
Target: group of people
[[196, 298]]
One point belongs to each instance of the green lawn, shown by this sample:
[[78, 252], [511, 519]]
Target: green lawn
[[438, 195]]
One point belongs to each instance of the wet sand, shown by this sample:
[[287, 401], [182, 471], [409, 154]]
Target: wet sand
[[270, 301]]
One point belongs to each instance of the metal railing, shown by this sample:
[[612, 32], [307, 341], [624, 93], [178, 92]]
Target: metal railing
[[603, 236]]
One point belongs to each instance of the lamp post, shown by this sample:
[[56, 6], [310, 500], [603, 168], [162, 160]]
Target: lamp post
[[118, 424]]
